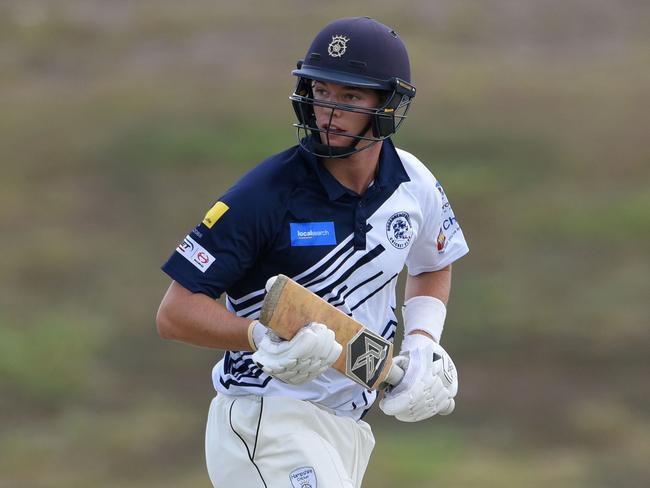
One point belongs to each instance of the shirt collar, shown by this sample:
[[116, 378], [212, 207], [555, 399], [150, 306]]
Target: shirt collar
[[390, 172]]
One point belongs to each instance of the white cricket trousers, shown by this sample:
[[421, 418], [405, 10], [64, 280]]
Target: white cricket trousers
[[277, 442]]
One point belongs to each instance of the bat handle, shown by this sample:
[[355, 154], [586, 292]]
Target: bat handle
[[395, 375]]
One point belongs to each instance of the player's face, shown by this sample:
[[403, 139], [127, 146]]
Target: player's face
[[342, 125]]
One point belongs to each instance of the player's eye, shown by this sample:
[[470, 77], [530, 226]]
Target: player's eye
[[320, 93], [352, 97]]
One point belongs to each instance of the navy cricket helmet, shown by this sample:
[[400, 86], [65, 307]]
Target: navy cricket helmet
[[362, 53]]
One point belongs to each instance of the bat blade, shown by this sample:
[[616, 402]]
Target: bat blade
[[367, 358]]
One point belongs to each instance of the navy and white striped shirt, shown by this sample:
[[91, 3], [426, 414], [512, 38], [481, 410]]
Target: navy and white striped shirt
[[289, 215]]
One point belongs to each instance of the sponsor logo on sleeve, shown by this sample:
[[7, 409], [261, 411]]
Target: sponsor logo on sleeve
[[304, 477], [399, 230], [449, 226], [448, 230], [195, 254], [446, 206], [312, 234], [442, 241], [449, 222], [214, 214]]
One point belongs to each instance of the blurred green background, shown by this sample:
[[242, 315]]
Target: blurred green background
[[121, 121]]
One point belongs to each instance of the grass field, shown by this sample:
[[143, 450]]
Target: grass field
[[121, 122]]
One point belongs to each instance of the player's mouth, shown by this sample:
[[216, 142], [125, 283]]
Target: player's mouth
[[334, 130]]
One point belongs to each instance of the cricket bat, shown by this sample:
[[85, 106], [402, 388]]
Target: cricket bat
[[366, 358]]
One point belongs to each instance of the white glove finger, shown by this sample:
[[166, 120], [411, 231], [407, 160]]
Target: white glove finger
[[440, 402], [309, 345], [306, 347], [271, 364], [400, 400], [320, 331], [394, 405], [277, 372], [422, 412], [300, 345], [402, 361], [297, 378], [270, 346], [428, 402], [407, 418], [412, 373], [411, 404], [334, 353], [311, 351], [258, 358], [447, 409], [437, 391], [326, 349], [306, 343], [428, 386]]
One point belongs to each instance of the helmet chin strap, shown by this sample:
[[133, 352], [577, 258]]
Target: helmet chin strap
[[327, 151]]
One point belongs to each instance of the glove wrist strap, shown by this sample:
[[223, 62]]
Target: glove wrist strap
[[255, 334]]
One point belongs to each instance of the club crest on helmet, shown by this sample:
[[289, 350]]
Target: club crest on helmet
[[338, 46]]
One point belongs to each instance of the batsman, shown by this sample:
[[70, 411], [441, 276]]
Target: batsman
[[340, 214]]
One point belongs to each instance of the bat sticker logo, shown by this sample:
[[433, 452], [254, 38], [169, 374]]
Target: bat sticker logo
[[367, 354]]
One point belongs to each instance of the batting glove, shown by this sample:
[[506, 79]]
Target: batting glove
[[429, 385], [311, 351]]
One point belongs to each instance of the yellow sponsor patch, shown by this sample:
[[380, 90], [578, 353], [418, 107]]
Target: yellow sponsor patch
[[214, 214]]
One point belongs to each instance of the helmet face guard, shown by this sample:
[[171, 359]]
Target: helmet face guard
[[384, 120], [357, 52]]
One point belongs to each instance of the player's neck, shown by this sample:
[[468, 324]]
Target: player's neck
[[357, 171]]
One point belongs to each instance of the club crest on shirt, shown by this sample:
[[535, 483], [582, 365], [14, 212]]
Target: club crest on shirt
[[304, 477], [399, 230]]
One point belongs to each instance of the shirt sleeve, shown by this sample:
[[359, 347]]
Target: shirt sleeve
[[440, 240], [224, 246]]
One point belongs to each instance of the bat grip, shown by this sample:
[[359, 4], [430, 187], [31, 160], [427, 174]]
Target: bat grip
[[395, 375]]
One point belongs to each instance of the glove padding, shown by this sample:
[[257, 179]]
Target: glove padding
[[311, 351], [429, 385]]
